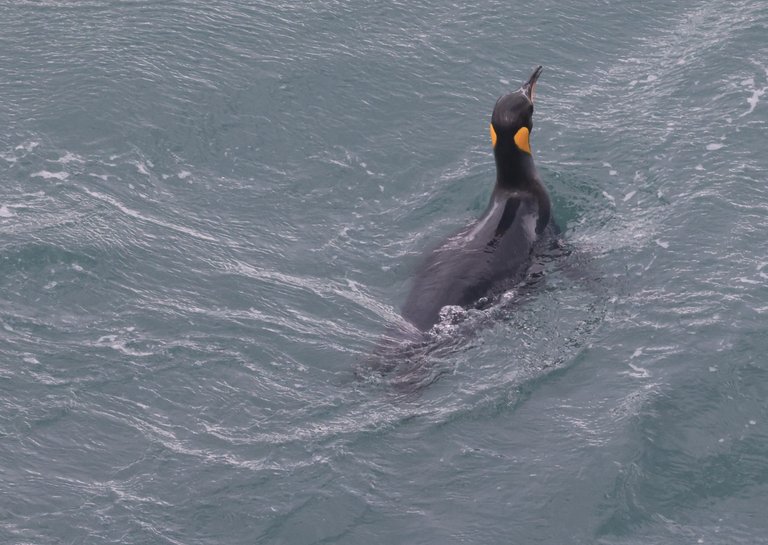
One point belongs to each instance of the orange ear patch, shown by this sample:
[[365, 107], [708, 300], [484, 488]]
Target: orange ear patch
[[493, 136], [522, 139]]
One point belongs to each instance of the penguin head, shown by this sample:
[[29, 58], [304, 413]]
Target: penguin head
[[512, 120]]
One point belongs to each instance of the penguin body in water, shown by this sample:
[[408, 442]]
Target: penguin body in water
[[495, 252]]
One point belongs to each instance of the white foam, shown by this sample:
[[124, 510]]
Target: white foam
[[612, 173], [184, 174], [629, 195], [116, 343], [754, 99], [699, 167], [48, 175], [142, 168], [29, 146], [607, 196], [134, 214], [70, 157], [637, 371], [5, 212], [757, 92], [664, 244], [714, 146]]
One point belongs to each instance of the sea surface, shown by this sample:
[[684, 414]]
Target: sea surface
[[210, 213]]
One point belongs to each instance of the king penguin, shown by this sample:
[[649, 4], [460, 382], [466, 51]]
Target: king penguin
[[495, 252]]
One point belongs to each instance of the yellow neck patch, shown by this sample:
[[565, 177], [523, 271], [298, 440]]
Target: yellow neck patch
[[493, 136], [522, 139]]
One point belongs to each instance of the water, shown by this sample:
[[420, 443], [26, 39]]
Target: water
[[209, 215]]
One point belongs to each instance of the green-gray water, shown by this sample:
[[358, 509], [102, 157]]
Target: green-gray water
[[209, 214]]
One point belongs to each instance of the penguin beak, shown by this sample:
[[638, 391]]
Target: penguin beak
[[529, 87]]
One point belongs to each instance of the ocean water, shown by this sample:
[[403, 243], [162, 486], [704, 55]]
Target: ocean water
[[209, 216]]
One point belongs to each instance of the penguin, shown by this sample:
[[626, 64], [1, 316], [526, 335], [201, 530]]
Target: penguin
[[495, 252]]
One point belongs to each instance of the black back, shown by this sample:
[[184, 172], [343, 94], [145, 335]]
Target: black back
[[488, 256]]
